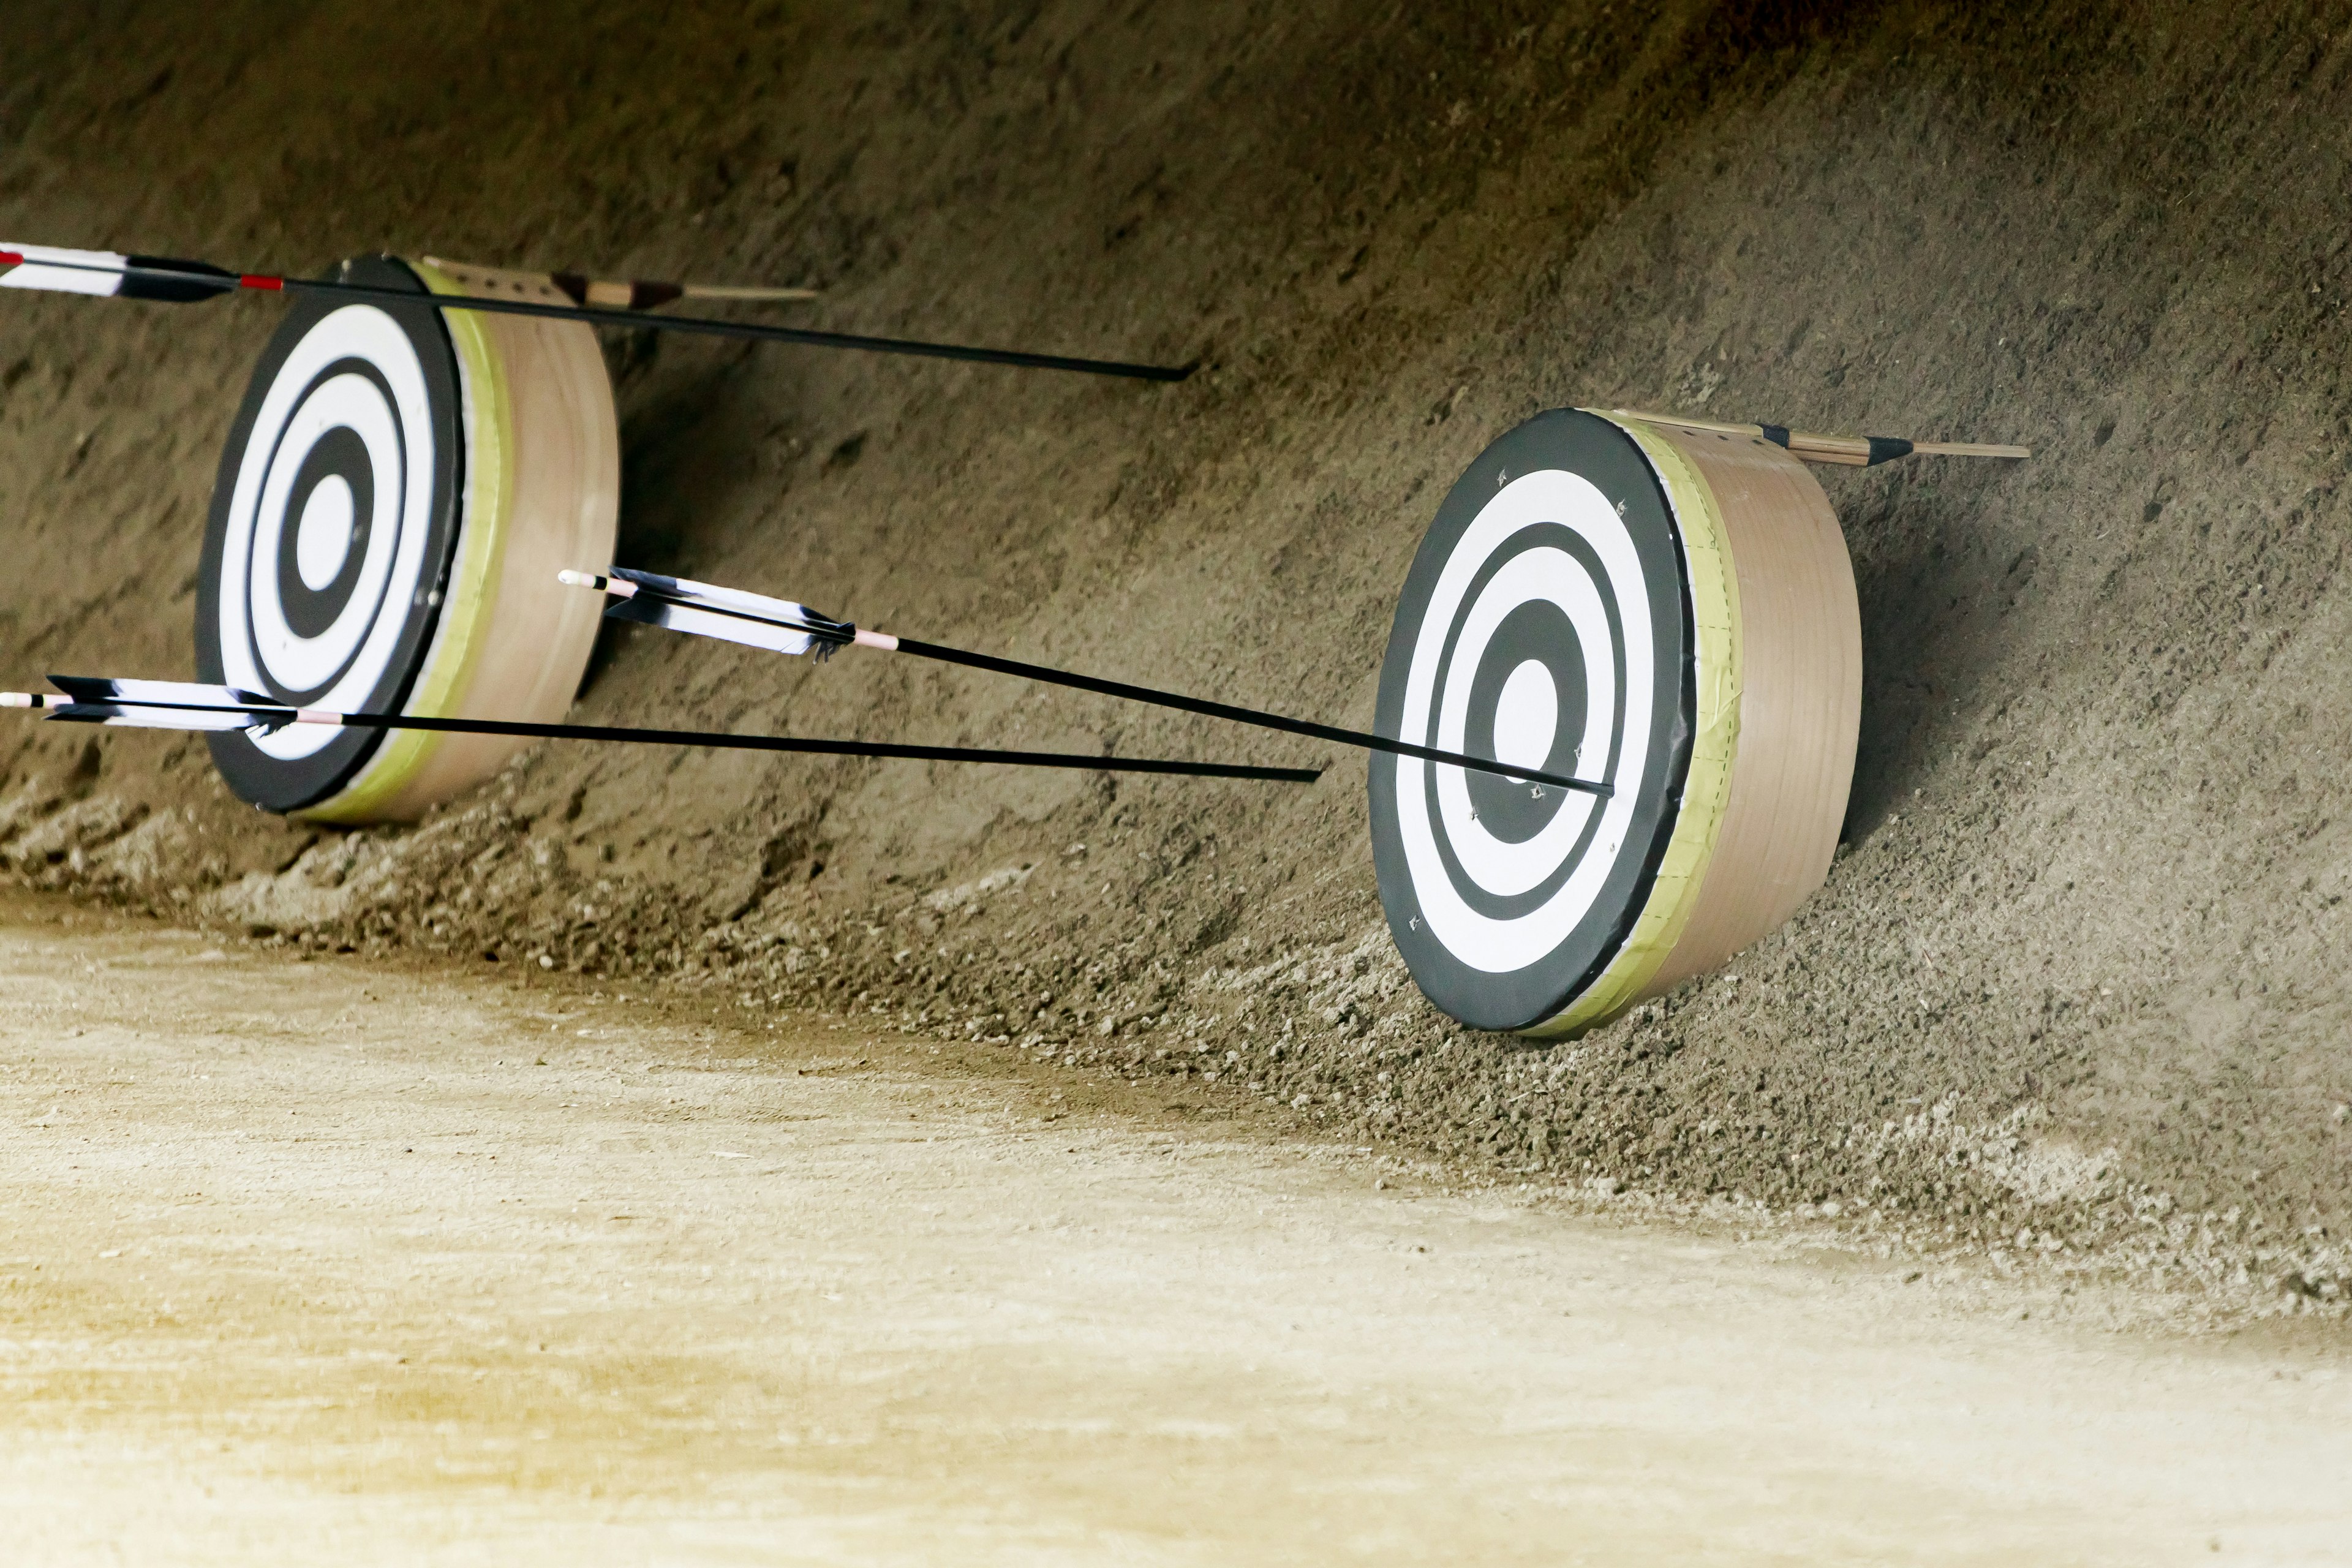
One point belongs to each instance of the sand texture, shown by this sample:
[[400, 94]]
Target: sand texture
[[556, 1276]]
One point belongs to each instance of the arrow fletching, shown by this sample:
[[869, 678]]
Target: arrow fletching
[[757, 621], [108, 274], [153, 704], [61, 272], [705, 609], [105, 275]]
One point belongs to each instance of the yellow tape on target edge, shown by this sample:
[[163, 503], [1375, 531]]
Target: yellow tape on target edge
[[1706, 791], [487, 428]]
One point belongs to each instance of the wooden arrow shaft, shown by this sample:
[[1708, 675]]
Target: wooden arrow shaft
[[606, 293], [1846, 451]]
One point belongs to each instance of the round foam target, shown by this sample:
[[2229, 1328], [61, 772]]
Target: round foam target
[[1666, 612], [398, 491]]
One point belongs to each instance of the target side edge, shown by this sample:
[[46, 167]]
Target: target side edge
[[1801, 705], [546, 449], [382, 790], [1719, 678]]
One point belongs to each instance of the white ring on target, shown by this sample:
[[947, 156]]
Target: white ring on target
[[1476, 941], [389, 578], [322, 540], [297, 663], [1502, 869], [1526, 716]]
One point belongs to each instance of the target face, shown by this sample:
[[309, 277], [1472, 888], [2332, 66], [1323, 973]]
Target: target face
[[332, 524], [1543, 624]]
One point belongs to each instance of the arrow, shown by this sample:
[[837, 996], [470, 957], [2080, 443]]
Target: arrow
[[186, 705], [781, 625], [1849, 451], [105, 274], [624, 294]]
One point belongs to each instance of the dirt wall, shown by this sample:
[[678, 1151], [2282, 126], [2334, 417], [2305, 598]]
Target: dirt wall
[[2077, 982]]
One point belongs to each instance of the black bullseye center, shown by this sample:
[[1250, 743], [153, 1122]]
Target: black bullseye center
[[1539, 632], [339, 453]]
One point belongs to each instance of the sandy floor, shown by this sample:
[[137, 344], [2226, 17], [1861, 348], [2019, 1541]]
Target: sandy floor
[[330, 1262]]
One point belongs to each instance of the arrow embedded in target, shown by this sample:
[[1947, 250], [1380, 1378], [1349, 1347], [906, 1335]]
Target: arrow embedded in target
[[782, 626], [187, 705], [107, 275], [1846, 451], [618, 294]]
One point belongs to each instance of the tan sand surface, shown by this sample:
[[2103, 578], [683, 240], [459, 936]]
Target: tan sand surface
[[340, 1262]]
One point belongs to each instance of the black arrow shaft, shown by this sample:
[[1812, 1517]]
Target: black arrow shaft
[[1257, 717], [758, 332], [835, 632], [833, 748], [176, 280], [722, 740]]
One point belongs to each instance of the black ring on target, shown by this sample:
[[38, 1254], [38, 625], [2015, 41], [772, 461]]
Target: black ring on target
[[1537, 957], [339, 455], [338, 461]]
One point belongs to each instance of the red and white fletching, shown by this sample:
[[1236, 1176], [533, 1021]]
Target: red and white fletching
[[61, 272]]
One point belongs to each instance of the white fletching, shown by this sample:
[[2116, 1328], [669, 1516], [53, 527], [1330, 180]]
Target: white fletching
[[179, 704], [179, 719], [705, 609], [648, 611], [188, 691], [735, 599], [64, 279]]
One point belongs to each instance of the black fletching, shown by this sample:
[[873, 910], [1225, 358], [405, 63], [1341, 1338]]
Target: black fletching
[[174, 282]]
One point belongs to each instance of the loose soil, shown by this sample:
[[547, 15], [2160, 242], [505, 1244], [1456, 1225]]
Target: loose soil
[[358, 1262], [2076, 987]]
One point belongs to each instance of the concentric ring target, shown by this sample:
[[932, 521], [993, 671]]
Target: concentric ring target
[[398, 491], [1543, 619], [345, 458], [1574, 609]]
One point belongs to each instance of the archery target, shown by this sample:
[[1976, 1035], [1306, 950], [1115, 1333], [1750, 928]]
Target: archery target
[[1543, 614], [1574, 608], [393, 476], [330, 541]]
